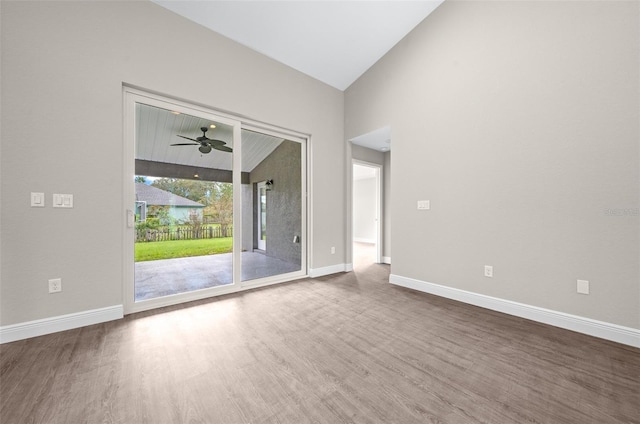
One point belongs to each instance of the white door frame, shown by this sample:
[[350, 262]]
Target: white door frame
[[378, 225], [131, 96]]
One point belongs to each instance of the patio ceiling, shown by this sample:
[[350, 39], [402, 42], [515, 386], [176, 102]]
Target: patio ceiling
[[157, 129]]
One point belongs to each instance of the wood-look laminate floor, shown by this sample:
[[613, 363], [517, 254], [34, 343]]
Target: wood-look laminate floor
[[343, 348]]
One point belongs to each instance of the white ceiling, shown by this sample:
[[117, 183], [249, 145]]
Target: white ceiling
[[332, 41], [379, 139]]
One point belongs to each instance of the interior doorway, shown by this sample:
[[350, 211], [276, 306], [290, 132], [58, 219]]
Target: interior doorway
[[366, 213]]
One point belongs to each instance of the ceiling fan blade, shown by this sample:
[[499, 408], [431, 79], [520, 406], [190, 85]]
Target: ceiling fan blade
[[187, 138], [223, 148], [216, 142], [185, 144]]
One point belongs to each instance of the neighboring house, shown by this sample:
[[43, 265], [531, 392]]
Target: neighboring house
[[180, 208]]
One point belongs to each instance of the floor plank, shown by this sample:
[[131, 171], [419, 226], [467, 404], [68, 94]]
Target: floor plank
[[337, 349]]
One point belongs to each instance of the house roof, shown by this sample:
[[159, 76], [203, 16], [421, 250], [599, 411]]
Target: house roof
[[155, 196]]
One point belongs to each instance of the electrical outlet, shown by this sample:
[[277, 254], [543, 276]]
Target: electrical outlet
[[582, 287], [488, 271], [333, 250], [55, 285]]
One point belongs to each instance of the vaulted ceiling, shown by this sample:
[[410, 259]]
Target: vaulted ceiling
[[332, 41]]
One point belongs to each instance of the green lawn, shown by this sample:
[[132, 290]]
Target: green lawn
[[151, 251]]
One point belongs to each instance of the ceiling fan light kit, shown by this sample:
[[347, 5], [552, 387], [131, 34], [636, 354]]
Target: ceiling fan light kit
[[204, 143]]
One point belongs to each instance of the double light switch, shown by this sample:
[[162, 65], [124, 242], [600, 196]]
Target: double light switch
[[63, 200], [59, 200], [424, 205]]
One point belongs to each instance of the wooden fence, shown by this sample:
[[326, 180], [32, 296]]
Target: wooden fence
[[183, 233]]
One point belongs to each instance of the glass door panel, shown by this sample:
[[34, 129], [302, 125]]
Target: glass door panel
[[184, 202], [272, 223]]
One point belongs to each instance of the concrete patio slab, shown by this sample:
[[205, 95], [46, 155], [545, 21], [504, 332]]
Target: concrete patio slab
[[180, 275]]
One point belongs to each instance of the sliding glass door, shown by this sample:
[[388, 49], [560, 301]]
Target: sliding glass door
[[207, 193]]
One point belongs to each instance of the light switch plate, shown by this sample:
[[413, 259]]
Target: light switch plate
[[63, 200], [37, 200], [424, 204], [583, 286]]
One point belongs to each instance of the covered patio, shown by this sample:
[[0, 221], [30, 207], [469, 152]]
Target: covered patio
[[165, 277]]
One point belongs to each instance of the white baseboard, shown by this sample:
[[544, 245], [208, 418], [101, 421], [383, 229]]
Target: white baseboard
[[332, 269], [604, 330], [348, 267], [364, 240], [25, 330], [386, 260]]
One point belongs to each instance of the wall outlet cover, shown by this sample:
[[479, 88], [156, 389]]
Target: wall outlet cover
[[583, 286], [488, 271], [55, 285]]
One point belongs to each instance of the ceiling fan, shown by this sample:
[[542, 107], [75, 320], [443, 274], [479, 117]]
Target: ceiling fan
[[205, 143]]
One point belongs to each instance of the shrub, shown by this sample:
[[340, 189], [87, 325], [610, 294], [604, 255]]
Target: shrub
[[149, 224]]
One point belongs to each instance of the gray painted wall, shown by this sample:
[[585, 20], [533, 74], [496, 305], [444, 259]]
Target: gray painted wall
[[63, 66], [519, 121], [247, 217], [284, 210], [367, 155]]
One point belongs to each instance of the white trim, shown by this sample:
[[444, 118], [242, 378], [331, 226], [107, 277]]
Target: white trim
[[331, 269], [25, 330], [348, 267], [379, 212], [604, 330], [131, 95], [364, 240], [237, 204], [269, 281], [386, 260], [160, 302], [175, 299]]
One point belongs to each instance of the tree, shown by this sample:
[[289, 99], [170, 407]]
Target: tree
[[216, 196], [220, 205], [198, 191]]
